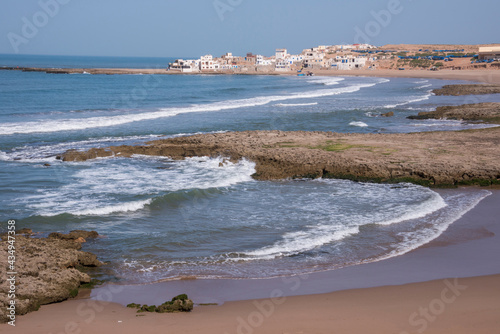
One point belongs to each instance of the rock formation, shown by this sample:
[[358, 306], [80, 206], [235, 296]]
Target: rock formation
[[46, 270]]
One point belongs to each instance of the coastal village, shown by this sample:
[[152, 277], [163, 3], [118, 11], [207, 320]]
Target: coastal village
[[348, 57]]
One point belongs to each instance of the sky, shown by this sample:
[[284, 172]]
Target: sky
[[191, 28]]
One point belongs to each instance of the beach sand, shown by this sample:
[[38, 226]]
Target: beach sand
[[485, 76], [363, 301], [469, 305], [479, 75]]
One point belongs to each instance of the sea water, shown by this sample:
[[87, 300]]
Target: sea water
[[164, 219]]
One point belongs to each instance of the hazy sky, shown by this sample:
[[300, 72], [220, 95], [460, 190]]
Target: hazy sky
[[190, 28]]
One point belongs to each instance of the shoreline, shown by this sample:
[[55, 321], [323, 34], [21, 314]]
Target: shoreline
[[393, 289], [484, 76], [464, 241]]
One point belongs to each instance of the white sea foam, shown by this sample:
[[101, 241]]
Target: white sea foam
[[4, 156], [457, 207], [442, 213], [412, 100], [44, 126], [345, 224], [295, 104], [450, 123], [118, 208], [327, 81], [106, 187], [423, 86], [359, 124], [299, 242], [435, 203]]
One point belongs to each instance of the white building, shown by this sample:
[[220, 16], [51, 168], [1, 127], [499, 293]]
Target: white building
[[294, 58], [349, 62], [313, 59], [282, 65], [263, 61], [490, 52], [281, 53], [185, 66], [207, 63]]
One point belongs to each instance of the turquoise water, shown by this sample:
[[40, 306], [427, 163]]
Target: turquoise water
[[164, 219]]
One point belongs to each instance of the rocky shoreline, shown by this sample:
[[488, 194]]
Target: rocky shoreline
[[432, 159], [47, 269], [458, 90], [484, 112]]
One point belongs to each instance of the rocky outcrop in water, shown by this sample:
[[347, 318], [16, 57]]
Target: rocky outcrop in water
[[457, 90], [488, 112], [46, 270], [432, 158]]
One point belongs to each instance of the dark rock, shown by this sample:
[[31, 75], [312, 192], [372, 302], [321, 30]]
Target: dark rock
[[389, 114], [88, 259], [176, 306], [489, 112], [476, 89], [26, 231], [180, 303], [74, 235]]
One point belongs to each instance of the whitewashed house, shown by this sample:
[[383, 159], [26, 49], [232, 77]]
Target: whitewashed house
[[282, 65], [294, 59], [313, 59], [348, 62], [207, 63], [263, 61], [281, 53], [185, 66]]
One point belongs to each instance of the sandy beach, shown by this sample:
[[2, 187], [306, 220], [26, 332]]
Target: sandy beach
[[460, 293], [484, 76], [468, 305]]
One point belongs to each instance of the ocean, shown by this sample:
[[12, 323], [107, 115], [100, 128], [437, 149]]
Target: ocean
[[162, 219]]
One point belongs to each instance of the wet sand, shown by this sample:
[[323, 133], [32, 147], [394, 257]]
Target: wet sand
[[450, 306], [368, 298]]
